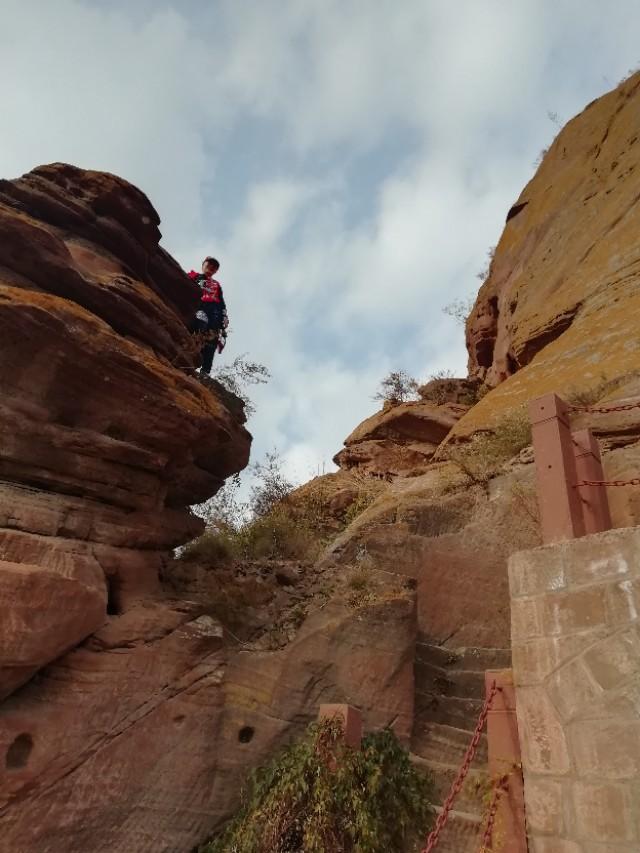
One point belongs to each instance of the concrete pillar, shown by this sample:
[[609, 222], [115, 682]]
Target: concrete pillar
[[595, 505], [504, 760], [561, 515]]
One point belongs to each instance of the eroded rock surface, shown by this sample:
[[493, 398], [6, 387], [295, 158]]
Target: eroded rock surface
[[561, 306], [131, 716], [105, 442], [400, 439]]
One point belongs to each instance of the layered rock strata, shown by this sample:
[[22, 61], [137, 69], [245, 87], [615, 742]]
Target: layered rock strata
[[105, 439]]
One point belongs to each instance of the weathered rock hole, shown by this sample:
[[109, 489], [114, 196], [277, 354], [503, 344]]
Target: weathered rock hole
[[246, 733], [114, 607], [19, 752]]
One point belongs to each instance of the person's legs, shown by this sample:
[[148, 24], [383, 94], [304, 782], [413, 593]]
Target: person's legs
[[207, 357]]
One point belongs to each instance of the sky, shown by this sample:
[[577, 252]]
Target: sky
[[350, 162]]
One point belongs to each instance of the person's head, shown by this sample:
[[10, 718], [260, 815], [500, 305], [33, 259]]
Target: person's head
[[210, 266]]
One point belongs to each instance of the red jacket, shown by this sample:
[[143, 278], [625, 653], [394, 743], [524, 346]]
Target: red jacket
[[211, 290]]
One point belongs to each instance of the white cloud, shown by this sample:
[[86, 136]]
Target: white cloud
[[390, 141]]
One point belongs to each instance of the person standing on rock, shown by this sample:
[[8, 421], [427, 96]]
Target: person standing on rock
[[211, 319]]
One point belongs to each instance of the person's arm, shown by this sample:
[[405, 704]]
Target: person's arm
[[223, 305]]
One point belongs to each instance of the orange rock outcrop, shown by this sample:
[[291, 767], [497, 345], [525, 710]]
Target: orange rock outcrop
[[560, 310]]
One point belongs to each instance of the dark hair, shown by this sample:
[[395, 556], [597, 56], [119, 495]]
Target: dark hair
[[212, 261]]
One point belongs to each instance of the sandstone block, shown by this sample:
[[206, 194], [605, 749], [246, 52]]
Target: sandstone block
[[572, 690], [537, 571], [545, 805], [45, 615], [526, 618], [614, 660], [545, 750], [623, 601], [607, 748], [555, 845], [602, 813], [575, 610]]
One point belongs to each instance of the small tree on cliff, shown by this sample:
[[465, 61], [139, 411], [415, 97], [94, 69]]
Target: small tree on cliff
[[235, 377], [397, 387], [319, 795]]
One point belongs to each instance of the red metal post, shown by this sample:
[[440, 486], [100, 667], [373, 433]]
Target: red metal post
[[560, 506], [351, 721], [595, 504], [504, 761]]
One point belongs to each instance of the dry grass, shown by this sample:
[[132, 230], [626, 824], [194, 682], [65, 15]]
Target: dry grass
[[277, 535], [594, 393], [483, 456]]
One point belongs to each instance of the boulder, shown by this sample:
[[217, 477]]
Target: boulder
[[400, 439]]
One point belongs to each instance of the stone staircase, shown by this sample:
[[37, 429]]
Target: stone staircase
[[449, 694]]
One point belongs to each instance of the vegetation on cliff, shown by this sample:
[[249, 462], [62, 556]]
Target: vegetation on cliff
[[320, 795]]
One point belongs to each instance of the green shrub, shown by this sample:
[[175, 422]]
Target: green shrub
[[276, 535], [214, 546], [319, 795]]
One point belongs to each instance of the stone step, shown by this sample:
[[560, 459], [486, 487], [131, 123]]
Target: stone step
[[464, 683], [476, 659], [470, 798], [447, 744], [462, 713], [462, 833]]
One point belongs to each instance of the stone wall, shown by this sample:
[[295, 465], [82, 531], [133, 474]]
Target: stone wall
[[576, 661]]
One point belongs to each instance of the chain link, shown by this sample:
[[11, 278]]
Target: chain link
[[634, 482], [501, 787], [456, 787], [625, 407]]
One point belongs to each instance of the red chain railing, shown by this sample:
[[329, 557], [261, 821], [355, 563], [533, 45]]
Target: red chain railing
[[501, 787], [456, 787], [635, 481], [604, 410]]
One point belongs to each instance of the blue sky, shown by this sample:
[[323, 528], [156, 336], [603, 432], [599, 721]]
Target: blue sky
[[349, 162]]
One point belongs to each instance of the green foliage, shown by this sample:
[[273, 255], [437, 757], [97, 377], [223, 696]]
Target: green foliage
[[279, 534], [483, 456], [267, 526], [236, 376], [271, 487], [214, 546], [319, 795]]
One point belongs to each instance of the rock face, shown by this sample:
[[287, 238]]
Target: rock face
[[130, 717], [104, 441], [561, 306], [141, 739], [399, 439]]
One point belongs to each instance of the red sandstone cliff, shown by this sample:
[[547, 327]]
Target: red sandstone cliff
[[130, 715]]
